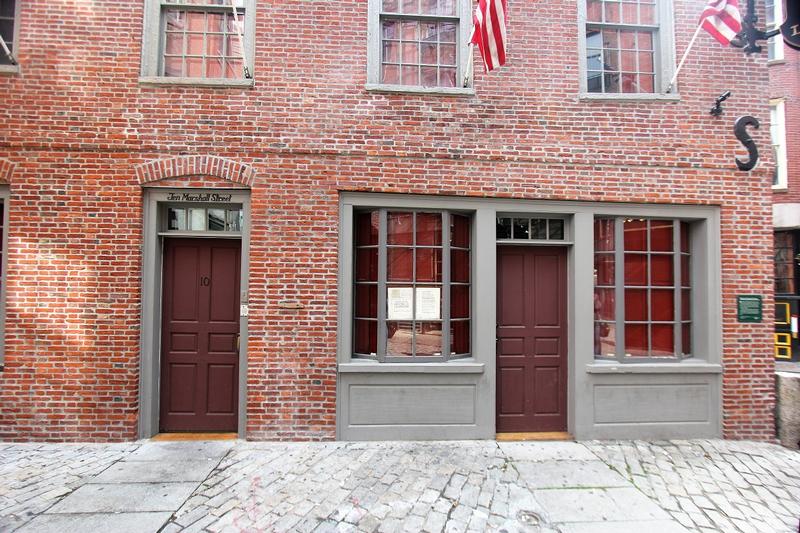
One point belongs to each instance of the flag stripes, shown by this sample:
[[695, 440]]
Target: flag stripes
[[722, 19], [489, 32]]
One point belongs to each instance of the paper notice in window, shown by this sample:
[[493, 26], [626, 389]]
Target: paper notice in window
[[400, 303], [429, 304]]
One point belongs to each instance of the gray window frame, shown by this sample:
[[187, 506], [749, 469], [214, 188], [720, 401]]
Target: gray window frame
[[620, 286], [14, 69], [5, 196], [382, 285], [153, 43], [564, 240], [663, 55], [374, 51]]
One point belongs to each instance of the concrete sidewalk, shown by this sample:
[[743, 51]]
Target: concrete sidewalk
[[593, 487]]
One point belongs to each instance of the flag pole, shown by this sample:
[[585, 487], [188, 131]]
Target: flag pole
[[241, 39], [468, 69], [685, 54], [8, 53]]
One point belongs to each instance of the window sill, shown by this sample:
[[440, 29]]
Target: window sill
[[661, 97], [9, 70], [684, 367], [772, 62], [441, 91], [780, 188], [155, 81], [374, 367]]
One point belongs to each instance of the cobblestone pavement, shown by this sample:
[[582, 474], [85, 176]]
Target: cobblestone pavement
[[590, 487], [714, 485]]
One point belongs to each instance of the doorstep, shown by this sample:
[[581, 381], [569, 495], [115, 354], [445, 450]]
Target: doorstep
[[174, 437], [539, 435]]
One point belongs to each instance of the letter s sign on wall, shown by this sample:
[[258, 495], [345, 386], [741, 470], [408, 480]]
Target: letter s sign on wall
[[740, 130]]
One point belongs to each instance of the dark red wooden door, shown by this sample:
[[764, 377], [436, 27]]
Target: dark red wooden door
[[531, 339], [199, 335]]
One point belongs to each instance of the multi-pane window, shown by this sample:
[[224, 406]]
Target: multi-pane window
[[202, 42], [7, 28], [784, 263], [527, 228], [623, 46], [204, 219], [774, 18], [642, 296], [418, 42], [777, 131], [199, 41], [412, 285]]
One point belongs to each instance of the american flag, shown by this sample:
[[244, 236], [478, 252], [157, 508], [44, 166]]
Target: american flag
[[722, 19], [489, 32]]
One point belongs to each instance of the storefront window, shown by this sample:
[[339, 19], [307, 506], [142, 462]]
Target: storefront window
[[642, 295], [784, 263], [412, 285]]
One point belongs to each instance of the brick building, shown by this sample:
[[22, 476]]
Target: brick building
[[349, 245], [784, 99]]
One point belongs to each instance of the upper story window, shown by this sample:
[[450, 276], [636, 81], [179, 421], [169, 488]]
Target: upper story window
[[777, 131], [418, 44], [774, 18], [627, 47], [9, 32], [412, 285], [642, 295], [198, 41]]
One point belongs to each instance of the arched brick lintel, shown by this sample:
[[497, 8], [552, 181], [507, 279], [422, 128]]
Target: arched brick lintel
[[195, 165], [6, 170]]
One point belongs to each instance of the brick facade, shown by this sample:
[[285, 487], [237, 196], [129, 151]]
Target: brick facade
[[84, 136]]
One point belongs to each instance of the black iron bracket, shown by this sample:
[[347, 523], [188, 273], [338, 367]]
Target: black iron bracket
[[717, 109], [748, 38]]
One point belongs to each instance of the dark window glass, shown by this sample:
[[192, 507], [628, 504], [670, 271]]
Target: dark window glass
[[521, 228], [503, 228], [556, 229]]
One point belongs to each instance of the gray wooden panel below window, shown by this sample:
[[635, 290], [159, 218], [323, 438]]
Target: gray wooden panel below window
[[667, 402], [378, 405]]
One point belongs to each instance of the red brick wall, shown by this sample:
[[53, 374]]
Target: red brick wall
[[784, 82], [77, 123]]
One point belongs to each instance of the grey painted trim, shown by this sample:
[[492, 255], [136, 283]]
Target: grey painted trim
[[5, 195], [196, 82], [151, 46], [584, 373], [443, 91], [664, 66], [612, 367], [374, 53], [451, 367], [150, 339], [9, 70]]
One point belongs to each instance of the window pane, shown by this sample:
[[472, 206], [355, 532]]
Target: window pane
[[503, 228], [447, 32], [635, 269], [400, 264], [604, 269], [366, 336], [663, 340], [429, 265], [429, 339], [429, 229], [459, 301], [635, 235], [604, 234], [400, 228], [216, 219], [538, 228], [521, 229], [594, 10], [459, 266], [605, 339], [635, 305], [366, 304], [662, 303], [391, 74], [459, 337], [686, 304], [390, 6], [197, 219], [367, 228], [636, 340], [391, 51], [399, 339], [459, 231], [604, 304], [367, 264], [686, 272], [391, 29], [556, 229], [686, 330], [661, 235], [176, 219], [661, 270], [685, 237]]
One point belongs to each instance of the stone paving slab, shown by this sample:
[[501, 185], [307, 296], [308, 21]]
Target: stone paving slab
[[643, 526], [105, 523], [125, 498], [569, 474], [546, 451], [599, 505], [157, 471], [181, 451]]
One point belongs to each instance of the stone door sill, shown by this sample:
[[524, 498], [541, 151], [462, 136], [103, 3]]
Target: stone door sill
[[543, 435], [171, 437]]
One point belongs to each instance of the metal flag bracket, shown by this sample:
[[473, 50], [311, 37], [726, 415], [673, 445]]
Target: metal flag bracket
[[750, 35], [6, 51]]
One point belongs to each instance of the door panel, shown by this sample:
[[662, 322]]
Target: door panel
[[200, 326], [532, 339]]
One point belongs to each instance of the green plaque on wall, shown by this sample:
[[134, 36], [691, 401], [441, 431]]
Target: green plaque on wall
[[748, 308]]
